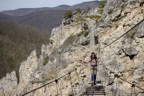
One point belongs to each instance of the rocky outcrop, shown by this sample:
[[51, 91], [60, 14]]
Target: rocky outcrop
[[8, 84], [140, 31], [130, 51], [122, 55], [71, 44], [138, 73]]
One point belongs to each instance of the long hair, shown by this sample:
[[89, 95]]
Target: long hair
[[95, 57]]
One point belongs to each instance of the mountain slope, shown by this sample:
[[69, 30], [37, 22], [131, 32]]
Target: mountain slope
[[43, 19], [22, 11], [5, 17], [85, 5], [16, 43]]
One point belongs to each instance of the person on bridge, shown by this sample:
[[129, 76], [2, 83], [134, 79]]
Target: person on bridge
[[93, 67]]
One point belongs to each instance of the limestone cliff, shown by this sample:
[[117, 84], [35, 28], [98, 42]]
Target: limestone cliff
[[119, 49]]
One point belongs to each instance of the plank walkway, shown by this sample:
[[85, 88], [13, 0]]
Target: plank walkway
[[95, 90]]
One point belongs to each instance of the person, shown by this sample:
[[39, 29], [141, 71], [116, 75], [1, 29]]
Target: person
[[93, 67]]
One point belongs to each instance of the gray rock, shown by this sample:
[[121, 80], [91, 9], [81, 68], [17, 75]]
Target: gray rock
[[139, 73], [2, 92], [106, 42], [8, 84], [117, 15], [140, 31], [119, 52], [67, 21], [85, 26], [85, 42], [115, 65], [26, 70], [131, 51], [39, 76]]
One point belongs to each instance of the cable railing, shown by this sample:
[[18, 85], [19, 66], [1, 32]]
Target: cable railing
[[133, 84], [140, 93], [69, 73], [116, 75], [123, 34], [52, 81]]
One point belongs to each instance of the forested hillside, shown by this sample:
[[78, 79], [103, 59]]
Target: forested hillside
[[16, 43]]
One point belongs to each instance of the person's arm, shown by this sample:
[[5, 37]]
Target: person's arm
[[99, 62], [86, 62]]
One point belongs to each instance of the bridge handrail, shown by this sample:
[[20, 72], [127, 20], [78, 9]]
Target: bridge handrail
[[123, 34], [51, 81], [115, 74], [140, 93]]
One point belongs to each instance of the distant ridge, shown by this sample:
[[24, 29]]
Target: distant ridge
[[45, 18], [25, 11]]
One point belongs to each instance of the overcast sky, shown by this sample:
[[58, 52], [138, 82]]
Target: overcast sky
[[14, 4]]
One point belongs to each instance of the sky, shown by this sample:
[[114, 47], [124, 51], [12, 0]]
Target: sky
[[15, 4]]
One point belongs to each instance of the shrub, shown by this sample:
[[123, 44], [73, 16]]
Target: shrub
[[45, 61], [101, 4], [94, 17], [132, 35], [80, 18], [78, 10], [110, 11], [68, 14], [87, 9], [100, 11]]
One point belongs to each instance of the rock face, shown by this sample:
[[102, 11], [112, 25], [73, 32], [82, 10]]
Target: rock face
[[140, 31], [130, 51], [120, 54], [8, 84]]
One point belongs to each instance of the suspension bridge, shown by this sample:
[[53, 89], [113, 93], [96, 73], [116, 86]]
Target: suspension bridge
[[99, 89]]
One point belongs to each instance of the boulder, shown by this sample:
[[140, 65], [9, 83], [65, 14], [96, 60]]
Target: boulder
[[116, 16], [85, 26], [131, 51], [39, 76], [67, 21], [85, 42], [140, 31]]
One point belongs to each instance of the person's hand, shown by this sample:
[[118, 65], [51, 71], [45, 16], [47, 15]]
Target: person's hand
[[84, 61]]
